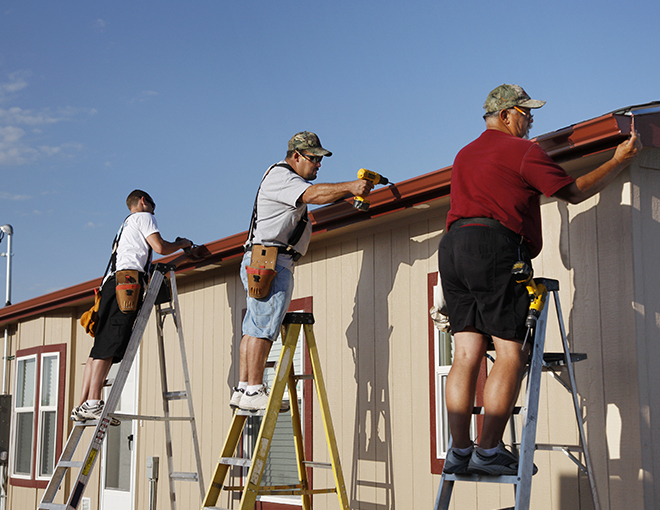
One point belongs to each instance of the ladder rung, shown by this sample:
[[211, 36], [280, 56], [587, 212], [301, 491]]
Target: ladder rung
[[559, 447], [122, 416], [235, 461], [51, 506], [70, 463], [480, 410], [214, 508], [301, 377], [324, 465], [512, 479], [175, 395], [187, 477]]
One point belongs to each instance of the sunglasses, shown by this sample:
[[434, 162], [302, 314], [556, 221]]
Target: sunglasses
[[310, 158], [525, 114]]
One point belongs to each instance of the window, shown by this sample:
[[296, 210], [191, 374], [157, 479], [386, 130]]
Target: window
[[38, 412], [284, 469], [441, 355]]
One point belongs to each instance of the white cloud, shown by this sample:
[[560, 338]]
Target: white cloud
[[15, 147], [17, 81], [8, 196]]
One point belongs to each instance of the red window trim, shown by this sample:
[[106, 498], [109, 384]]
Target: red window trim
[[436, 463], [33, 482]]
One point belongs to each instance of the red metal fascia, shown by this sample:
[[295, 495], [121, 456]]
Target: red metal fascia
[[581, 139], [606, 131]]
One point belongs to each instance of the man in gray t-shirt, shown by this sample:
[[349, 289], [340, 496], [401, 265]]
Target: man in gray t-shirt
[[281, 205]]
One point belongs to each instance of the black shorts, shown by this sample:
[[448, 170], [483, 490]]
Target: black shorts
[[475, 268], [114, 327]]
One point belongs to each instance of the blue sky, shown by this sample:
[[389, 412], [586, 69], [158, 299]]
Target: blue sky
[[192, 101]]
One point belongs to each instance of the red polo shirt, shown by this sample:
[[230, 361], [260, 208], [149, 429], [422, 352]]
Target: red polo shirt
[[501, 176]]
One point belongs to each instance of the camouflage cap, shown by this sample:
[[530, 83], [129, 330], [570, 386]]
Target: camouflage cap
[[507, 96], [306, 140]]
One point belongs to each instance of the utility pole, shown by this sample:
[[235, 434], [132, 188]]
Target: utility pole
[[4, 454]]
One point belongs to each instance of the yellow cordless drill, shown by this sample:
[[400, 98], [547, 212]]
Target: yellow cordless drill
[[537, 294], [362, 203]]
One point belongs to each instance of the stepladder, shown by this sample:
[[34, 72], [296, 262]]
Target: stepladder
[[293, 325], [561, 367], [161, 297]]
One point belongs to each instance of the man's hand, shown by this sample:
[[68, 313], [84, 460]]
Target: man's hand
[[183, 242], [361, 187], [627, 151]]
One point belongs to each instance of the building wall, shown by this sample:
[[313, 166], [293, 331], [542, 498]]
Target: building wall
[[368, 283]]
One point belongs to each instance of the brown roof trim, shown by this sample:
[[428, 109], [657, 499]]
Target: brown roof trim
[[589, 137]]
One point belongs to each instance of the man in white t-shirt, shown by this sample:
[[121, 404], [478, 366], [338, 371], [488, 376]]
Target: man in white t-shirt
[[280, 208], [138, 236]]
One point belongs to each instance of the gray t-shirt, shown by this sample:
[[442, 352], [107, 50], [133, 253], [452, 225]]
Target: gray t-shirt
[[279, 209]]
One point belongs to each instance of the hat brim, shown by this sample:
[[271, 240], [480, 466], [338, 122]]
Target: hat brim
[[319, 151], [532, 103]]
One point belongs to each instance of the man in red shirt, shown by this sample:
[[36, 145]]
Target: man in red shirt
[[495, 221]]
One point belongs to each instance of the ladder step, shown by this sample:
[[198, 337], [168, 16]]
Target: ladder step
[[235, 461], [70, 464], [187, 477], [511, 479], [122, 416], [554, 359], [175, 395], [51, 506], [214, 508], [324, 465]]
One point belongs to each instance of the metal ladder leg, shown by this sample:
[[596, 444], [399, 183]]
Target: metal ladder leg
[[94, 448]]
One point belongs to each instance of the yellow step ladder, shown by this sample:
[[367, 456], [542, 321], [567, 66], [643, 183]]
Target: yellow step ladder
[[291, 327]]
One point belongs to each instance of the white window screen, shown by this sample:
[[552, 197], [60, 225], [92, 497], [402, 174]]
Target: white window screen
[[26, 371], [281, 466], [48, 413]]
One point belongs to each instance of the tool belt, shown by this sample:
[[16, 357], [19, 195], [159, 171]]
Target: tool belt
[[490, 223], [128, 290], [261, 271]]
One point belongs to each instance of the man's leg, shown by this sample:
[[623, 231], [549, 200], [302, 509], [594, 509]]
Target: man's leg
[[257, 355], [470, 347], [94, 376], [501, 390]]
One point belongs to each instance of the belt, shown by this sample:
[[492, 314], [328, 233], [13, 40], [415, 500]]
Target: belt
[[283, 250], [490, 223]]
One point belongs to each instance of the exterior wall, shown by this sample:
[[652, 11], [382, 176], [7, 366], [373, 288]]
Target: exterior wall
[[369, 288]]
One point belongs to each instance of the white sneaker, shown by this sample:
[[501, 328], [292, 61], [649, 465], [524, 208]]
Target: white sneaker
[[259, 400], [236, 397], [86, 412]]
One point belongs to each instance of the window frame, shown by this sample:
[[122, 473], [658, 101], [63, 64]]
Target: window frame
[[435, 394], [35, 479]]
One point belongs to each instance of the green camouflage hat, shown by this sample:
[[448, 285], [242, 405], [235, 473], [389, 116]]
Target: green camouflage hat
[[306, 140], [507, 96]]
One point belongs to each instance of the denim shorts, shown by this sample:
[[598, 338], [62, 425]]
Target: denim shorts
[[264, 317]]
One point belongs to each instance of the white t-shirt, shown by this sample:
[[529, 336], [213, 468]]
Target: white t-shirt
[[279, 209], [133, 248]]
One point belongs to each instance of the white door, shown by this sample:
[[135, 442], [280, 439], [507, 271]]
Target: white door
[[119, 447]]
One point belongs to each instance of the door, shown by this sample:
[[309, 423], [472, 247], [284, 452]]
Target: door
[[119, 451]]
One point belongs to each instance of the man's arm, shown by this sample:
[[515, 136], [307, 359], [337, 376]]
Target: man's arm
[[595, 181], [164, 247], [326, 193]]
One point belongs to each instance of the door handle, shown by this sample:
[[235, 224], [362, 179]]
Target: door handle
[[130, 442]]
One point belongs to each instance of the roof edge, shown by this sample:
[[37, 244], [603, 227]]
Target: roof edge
[[573, 142]]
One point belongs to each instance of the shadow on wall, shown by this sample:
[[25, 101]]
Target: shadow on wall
[[369, 335], [593, 244]]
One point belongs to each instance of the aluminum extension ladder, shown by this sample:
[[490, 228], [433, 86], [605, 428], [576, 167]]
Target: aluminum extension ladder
[[101, 425], [284, 375], [539, 361]]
